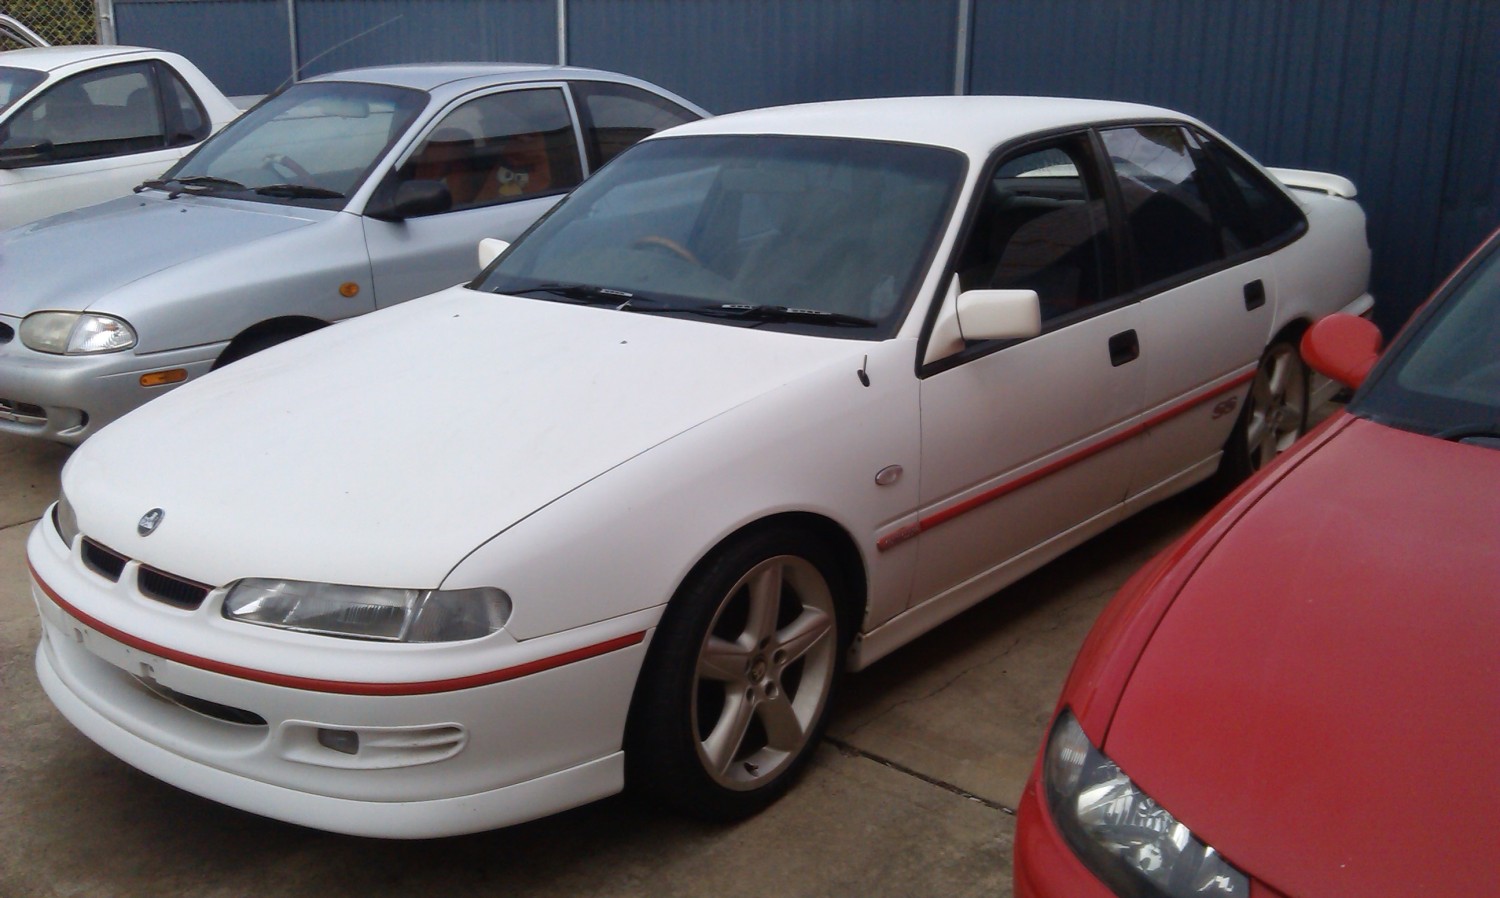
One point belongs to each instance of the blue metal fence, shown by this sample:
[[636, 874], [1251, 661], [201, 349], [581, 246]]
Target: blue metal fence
[[1403, 96]]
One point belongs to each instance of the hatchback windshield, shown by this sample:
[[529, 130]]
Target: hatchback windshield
[[311, 144], [1445, 378], [793, 233], [14, 83]]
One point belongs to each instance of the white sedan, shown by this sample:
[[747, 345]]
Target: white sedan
[[765, 399], [80, 125]]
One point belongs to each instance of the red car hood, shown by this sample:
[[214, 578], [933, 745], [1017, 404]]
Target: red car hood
[[1321, 703]]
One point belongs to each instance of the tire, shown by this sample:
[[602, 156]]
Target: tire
[[735, 691], [1274, 417], [248, 346]]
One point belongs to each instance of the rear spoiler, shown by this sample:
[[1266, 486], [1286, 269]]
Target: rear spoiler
[[1322, 182]]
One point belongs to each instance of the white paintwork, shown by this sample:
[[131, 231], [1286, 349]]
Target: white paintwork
[[585, 458], [27, 194], [14, 29], [999, 314]]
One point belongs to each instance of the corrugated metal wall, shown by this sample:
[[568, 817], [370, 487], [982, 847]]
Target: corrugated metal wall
[[1403, 96], [739, 54]]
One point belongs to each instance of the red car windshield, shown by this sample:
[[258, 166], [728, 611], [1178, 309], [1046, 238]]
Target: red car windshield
[[1443, 377]]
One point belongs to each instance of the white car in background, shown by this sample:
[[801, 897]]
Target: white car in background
[[767, 397], [80, 125]]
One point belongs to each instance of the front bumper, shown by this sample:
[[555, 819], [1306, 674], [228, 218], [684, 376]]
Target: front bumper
[[68, 398], [435, 757]]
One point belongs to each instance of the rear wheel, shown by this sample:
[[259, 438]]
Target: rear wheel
[[735, 693], [1275, 413]]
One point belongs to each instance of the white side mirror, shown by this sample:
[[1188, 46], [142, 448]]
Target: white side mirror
[[490, 249], [999, 314]]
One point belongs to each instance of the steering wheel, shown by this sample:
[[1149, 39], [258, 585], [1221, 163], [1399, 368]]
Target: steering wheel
[[671, 246], [299, 174]]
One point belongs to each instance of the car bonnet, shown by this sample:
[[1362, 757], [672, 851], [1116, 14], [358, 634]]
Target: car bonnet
[[76, 260], [382, 450], [1320, 700]]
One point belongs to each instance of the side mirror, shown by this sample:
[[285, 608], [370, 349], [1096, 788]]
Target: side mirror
[[22, 155], [1343, 347], [999, 314], [410, 199], [490, 249]]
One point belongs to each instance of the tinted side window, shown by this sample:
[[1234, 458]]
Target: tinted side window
[[1165, 195], [1042, 225], [188, 118], [110, 112], [1256, 212], [616, 116], [499, 147]]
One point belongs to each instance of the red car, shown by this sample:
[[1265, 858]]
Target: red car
[[1302, 696]]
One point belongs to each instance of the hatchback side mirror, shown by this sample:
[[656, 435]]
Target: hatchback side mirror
[[1343, 347], [410, 199]]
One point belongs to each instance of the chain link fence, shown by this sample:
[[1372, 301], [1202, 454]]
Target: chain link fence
[[58, 21]]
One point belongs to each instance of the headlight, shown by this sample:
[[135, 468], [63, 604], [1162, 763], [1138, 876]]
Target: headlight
[[359, 612], [64, 520], [1119, 832], [75, 333]]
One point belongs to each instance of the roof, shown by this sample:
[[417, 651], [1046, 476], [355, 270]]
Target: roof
[[429, 76], [973, 124], [46, 59]]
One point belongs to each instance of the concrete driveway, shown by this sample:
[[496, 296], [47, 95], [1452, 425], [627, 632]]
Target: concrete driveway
[[913, 794]]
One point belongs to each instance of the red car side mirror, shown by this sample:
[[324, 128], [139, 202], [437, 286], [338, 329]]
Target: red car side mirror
[[1343, 347]]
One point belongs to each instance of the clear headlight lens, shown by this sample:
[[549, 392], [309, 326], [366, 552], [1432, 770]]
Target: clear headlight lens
[[360, 612], [1126, 838], [64, 519], [75, 333]]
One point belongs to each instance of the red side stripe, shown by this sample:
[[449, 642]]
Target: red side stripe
[[340, 687], [942, 516]]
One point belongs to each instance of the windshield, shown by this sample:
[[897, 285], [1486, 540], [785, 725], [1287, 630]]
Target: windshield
[[1444, 378], [15, 83], [793, 233], [312, 144]]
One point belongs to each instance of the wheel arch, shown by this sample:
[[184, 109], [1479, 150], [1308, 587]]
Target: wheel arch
[[288, 325]]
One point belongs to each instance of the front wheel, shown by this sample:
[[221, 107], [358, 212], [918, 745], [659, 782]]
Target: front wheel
[[1275, 413], [735, 692]]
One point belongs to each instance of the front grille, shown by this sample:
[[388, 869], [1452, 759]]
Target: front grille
[[172, 590], [107, 563], [22, 412]]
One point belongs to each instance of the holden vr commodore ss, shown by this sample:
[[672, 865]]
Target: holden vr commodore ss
[[763, 400], [342, 194], [1319, 651]]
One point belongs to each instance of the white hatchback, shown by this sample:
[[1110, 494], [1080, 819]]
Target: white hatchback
[[766, 398]]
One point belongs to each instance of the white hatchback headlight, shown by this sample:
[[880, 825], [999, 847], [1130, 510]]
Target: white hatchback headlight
[[75, 333], [360, 612], [64, 519], [1129, 841]]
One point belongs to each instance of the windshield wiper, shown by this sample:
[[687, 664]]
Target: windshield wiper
[[782, 313], [581, 293], [193, 182], [299, 191], [1478, 429]]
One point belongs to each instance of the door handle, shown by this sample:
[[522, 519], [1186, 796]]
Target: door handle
[[1255, 295], [1124, 347]]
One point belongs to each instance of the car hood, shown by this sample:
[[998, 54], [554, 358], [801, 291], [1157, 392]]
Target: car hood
[[74, 260], [1319, 703], [382, 450]]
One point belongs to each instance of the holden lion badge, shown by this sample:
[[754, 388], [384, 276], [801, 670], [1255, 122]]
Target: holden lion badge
[[150, 521]]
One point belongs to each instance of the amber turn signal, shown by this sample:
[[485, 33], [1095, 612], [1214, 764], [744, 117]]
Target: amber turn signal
[[348, 289], [162, 378]]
